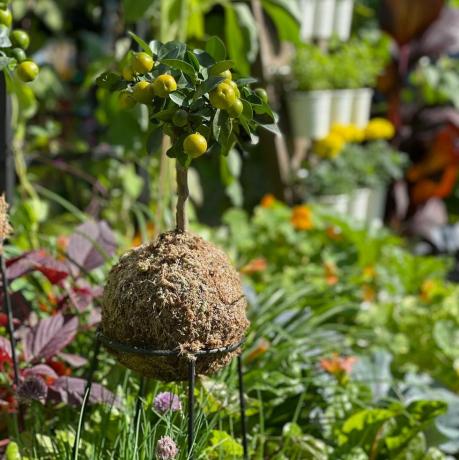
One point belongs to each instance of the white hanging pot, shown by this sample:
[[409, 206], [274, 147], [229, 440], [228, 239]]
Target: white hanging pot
[[336, 203], [361, 106], [359, 203], [343, 19], [341, 108], [323, 18], [377, 205], [307, 11], [310, 113]]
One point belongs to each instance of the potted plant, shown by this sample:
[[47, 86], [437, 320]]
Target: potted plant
[[310, 103], [180, 292]]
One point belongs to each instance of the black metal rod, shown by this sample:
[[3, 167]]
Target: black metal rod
[[242, 405], [7, 170], [191, 385], [9, 313], [87, 393]]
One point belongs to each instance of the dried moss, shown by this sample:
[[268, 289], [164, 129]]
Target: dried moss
[[179, 292]]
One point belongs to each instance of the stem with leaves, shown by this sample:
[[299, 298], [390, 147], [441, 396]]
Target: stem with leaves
[[183, 193]]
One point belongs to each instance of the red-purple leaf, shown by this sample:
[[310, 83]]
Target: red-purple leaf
[[43, 370], [5, 346], [53, 269], [82, 294], [73, 360], [91, 244], [70, 390], [21, 308], [49, 337]]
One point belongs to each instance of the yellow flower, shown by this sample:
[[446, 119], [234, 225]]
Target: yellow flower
[[268, 201], [301, 218], [350, 133], [379, 128], [330, 146]]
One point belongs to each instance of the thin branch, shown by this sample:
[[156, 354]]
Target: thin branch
[[183, 193]]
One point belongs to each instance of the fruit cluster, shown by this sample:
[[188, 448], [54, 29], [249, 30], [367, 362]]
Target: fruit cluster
[[13, 46], [192, 97]]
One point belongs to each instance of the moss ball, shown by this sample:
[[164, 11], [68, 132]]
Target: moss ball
[[179, 292]]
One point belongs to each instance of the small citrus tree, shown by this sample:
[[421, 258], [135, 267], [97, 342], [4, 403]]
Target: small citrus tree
[[193, 98]]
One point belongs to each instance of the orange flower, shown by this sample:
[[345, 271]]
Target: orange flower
[[369, 272], [301, 218], [428, 290], [255, 266], [368, 293], [331, 273], [138, 240], [333, 233], [260, 349], [338, 365], [268, 201]]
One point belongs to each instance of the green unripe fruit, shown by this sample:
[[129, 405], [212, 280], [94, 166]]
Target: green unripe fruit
[[262, 94], [180, 118], [126, 100], [142, 63], [20, 38], [223, 96], [6, 18], [27, 71], [164, 85], [236, 109], [234, 86], [143, 92], [18, 54], [12, 451], [195, 145]]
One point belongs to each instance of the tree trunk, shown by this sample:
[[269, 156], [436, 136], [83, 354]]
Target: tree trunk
[[183, 193]]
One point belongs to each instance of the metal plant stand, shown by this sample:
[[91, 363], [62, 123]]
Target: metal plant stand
[[124, 348]]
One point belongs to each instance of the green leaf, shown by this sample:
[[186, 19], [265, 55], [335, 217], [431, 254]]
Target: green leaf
[[216, 48], [205, 59], [155, 46], [164, 115], [286, 18], [193, 60], [220, 67], [172, 50], [5, 41], [135, 9], [154, 141], [5, 62], [141, 43], [247, 110], [246, 81], [178, 64], [178, 97], [207, 86], [272, 128], [108, 80]]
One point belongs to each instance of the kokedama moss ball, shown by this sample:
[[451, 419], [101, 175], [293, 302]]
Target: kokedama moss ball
[[178, 292]]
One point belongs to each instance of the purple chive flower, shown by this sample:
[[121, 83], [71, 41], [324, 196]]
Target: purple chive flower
[[166, 449], [31, 388], [167, 401]]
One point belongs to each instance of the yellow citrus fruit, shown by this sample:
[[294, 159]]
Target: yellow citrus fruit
[[27, 71], [126, 99], [226, 74], [143, 92], [236, 109], [164, 85], [20, 38], [142, 63], [262, 94], [234, 86], [195, 145], [127, 73], [6, 18], [223, 96]]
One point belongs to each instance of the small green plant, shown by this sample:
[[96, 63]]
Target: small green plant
[[436, 82], [192, 97]]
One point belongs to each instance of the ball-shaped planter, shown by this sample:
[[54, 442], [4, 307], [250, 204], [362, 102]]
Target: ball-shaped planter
[[179, 292]]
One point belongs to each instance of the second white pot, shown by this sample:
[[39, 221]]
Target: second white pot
[[310, 113], [324, 16], [361, 106], [342, 20], [341, 107]]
